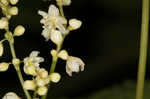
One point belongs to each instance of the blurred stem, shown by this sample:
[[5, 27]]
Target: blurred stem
[[18, 68], [143, 50]]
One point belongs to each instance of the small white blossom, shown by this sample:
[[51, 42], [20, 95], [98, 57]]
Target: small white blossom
[[42, 90], [31, 63], [29, 85], [74, 64], [4, 66], [1, 49], [11, 95], [52, 20], [55, 77], [56, 37], [74, 24]]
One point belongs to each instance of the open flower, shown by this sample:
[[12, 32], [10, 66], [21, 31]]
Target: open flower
[[74, 64], [31, 63], [52, 20]]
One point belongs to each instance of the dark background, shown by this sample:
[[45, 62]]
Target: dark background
[[108, 43]]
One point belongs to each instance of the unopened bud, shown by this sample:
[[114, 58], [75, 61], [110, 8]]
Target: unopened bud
[[63, 54], [13, 11], [16, 61], [53, 53], [74, 24], [1, 49], [19, 30], [5, 2], [3, 23], [29, 85], [13, 2], [4, 66], [42, 90], [55, 77]]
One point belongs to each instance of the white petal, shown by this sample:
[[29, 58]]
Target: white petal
[[53, 10], [42, 13], [62, 20], [46, 34], [56, 37], [68, 71], [34, 53]]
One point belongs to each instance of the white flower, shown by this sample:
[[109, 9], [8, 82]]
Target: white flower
[[74, 64], [31, 63], [11, 95], [29, 85], [52, 20], [74, 24]]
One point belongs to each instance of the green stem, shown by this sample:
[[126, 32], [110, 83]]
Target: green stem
[[143, 50], [18, 70]]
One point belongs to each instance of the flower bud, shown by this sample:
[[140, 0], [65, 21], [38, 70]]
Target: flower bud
[[3, 23], [19, 30], [4, 66], [43, 73], [5, 2], [13, 11], [1, 49], [40, 82], [53, 53], [66, 2], [11, 95], [42, 90], [13, 2], [29, 85], [16, 61], [63, 54], [56, 37], [55, 77], [74, 24], [31, 70]]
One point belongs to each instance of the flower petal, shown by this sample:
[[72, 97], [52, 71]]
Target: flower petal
[[53, 10], [42, 13]]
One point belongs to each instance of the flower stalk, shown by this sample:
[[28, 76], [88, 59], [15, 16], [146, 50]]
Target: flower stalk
[[143, 50]]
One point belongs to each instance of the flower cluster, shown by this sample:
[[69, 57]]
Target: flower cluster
[[55, 28]]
